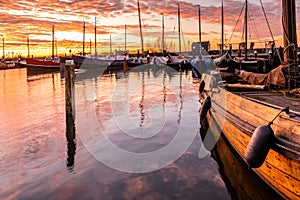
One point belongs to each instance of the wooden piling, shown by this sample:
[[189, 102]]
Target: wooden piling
[[125, 66], [69, 87]]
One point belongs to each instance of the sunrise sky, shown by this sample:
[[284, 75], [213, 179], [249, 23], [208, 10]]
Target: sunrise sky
[[34, 18]]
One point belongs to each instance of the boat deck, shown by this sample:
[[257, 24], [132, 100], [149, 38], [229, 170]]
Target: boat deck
[[273, 99]]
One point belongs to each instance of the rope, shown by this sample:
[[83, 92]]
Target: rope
[[262, 6], [252, 22], [236, 23]]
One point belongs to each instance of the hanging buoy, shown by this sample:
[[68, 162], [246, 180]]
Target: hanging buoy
[[201, 86], [205, 107], [259, 146]]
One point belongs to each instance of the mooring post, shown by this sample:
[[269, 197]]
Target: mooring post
[[69, 74], [125, 66], [69, 87]]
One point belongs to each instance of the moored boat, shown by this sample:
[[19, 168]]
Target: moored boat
[[35, 66], [261, 126]]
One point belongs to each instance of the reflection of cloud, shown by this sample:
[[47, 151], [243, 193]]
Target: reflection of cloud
[[21, 18]]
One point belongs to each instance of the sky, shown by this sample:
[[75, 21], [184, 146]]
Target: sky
[[21, 19]]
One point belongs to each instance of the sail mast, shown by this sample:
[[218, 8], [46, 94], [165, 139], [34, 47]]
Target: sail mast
[[83, 40], [246, 29], [95, 36], [290, 39], [110, 46], [222, 36], [28, 49], [3, 52], [52, 41], [125, 37], [199, 17], [163, 35], [179, 29], [140, 23]]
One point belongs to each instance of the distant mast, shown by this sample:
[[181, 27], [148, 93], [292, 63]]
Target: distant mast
[[140, 23], [125, 38], [199, 17], [95, 36], [52, 41], [28, 49], [3, 52], [246, 30], [290, 40], [83, 41], [163, 35], [222, 37], [179, 29], [110, 46]]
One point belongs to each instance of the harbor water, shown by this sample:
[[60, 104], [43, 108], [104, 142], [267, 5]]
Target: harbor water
[[149, 116]]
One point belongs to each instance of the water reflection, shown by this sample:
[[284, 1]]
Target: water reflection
[[243, 183], [38, 141], [141, 104], [71, 142]]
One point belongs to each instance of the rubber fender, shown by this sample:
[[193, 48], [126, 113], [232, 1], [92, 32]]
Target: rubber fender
[[201, 86], [205, 107], [259, 146]]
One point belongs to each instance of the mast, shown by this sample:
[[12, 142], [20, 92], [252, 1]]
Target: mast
[[290, 39], [28, 50], [140, 23], [90, 45], [163, 35], [246, 29], [199, 17], [110, 44], [53, 41], [95, 36], [83, 41], [3, 52], [179, 29], [222, 37], [125, 38]]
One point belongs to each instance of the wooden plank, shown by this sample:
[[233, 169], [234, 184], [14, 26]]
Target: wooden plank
[[257, 114], [282, 174]]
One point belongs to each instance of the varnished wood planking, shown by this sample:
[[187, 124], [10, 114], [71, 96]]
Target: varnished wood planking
[[277, 169]]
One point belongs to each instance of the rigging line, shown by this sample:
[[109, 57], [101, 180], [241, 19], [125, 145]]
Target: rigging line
[[262, 6], [236, 23], [242, 36], [252, 22]]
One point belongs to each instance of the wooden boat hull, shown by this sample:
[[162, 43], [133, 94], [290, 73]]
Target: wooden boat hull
[[36, 67], [238, 117], [42, 63]]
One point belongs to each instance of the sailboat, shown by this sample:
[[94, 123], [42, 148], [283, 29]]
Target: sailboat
[[174, 60], [260, 128], [47, 65]]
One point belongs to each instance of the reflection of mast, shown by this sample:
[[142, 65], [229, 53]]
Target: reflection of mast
[[164, 88], [179, 29], [140, 23], [142, 101], [180, 97], [71, 145]]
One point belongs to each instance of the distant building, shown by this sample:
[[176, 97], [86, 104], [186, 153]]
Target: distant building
[[196, 47]]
